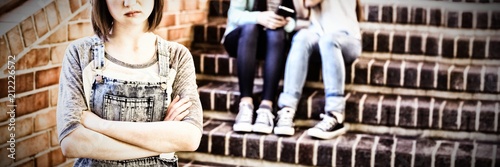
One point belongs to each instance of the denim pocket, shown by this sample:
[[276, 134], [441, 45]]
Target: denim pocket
[[132, 109], [170, 162]]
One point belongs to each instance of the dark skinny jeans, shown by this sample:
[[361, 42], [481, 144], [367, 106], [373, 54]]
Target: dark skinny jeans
[[251, 42]]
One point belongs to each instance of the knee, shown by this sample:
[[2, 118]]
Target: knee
[[351, 54], [329, 41], [276, 37], [304, 38], [249, 29]]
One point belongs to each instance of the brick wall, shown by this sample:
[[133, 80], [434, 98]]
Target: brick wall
[[37, 34]]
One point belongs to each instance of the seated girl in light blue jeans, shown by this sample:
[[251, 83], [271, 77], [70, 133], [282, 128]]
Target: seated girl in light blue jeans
[[336, 33]]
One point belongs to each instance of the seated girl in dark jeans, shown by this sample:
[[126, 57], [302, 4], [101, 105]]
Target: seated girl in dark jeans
[[255, 31]]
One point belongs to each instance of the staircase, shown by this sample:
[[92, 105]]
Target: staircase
[[424, 92]]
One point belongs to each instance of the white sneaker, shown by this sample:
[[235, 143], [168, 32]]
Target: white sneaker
[[264, 122], [243, 121], [327, 128], [284, 126]]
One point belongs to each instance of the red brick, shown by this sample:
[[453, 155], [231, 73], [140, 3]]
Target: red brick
[[79, 30], [23, 127], [172, 5], [4, 84], [52, 16], [53, 96], [162, 32], [5, 160], [60, 35], [69, 163], [30, 163], [56, 157], [15, 41], [32, 146], [193, 17], [5, 131], [41, 23], [34, 58], [64, 8], [4, 108], [24, 82], [57, 53], [189, 5], [4, 49], [202, 4], [74, 5], [45, 120], [186, 43], [167, 20], [43, 160], [178, 33], [54, 140], [47, 77], [32, 103], [83, 15], [28, 30]]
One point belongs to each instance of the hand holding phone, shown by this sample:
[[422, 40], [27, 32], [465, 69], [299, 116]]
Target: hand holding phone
[[285, 11]]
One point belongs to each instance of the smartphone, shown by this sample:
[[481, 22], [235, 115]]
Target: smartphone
[[285, 11]]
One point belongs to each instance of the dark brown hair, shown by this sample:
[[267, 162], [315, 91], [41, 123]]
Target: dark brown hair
[[359, 11], [102, 21]]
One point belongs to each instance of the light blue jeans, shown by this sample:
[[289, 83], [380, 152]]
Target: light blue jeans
[[336, 50]]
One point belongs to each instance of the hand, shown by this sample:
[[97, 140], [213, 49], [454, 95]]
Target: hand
[[311, 3], [177, 110], [271, 20]]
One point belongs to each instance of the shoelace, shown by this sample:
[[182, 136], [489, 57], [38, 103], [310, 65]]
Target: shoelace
[[245, 114], [327, 123], [265, 116], [285, 118]]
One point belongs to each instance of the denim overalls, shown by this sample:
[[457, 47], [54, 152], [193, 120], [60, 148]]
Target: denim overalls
[[120, 100]]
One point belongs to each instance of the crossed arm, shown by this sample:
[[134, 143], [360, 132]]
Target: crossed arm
[[116, 140], [85, 135]]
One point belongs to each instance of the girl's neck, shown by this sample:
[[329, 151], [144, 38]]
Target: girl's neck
[[130, 36], [133, 47]]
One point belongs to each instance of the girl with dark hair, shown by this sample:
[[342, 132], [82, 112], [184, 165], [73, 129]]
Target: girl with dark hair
[[127, 97]]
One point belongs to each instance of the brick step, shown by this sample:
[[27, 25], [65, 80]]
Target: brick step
[[482, 15], [437, 44], [350, 149], [377, 110], [427, 76], [432, 13], [200, 163], [409, 43], [232, 161], [471, 1], [410, 74]]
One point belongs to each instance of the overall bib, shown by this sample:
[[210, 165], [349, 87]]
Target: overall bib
[[120, 100]]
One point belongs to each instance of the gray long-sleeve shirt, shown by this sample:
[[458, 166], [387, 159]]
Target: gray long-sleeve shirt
[[77, 76]]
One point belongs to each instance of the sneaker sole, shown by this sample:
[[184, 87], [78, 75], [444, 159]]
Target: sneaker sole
[[262, 129], [326, 135], [284, 131], [242, 127]]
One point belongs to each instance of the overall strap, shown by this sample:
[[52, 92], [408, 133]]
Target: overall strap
[[97, 51], [163, 62]]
